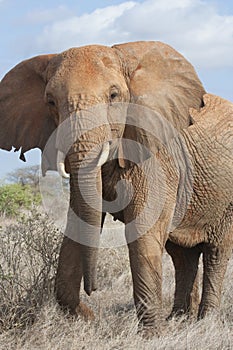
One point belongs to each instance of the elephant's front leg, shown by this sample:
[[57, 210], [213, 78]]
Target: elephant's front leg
[[68, 279], [146, 266]]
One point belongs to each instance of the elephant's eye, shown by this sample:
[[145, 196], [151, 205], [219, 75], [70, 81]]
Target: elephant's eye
[[114, 93], [50, 101]]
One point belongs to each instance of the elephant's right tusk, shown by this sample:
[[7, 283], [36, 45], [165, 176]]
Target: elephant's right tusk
[[61, 165], [104, 154]]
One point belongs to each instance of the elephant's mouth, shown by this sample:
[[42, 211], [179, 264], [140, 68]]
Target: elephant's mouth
[[116, 133], [117, 130]]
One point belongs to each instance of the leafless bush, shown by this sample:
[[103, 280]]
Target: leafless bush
[[28, 260]]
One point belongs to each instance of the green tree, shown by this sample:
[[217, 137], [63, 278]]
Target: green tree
[[14, 197]]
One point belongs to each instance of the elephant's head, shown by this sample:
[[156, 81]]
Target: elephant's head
[[84, 88]]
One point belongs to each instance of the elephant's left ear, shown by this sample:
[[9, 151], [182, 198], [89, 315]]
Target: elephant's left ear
[[25, 120], [161, 79]]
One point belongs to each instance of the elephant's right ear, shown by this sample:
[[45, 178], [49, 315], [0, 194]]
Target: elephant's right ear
[[25, 120]]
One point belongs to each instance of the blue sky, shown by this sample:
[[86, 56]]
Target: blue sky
[[202, 30]]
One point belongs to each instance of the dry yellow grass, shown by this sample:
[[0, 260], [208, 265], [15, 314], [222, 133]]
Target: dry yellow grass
[[31, 319]]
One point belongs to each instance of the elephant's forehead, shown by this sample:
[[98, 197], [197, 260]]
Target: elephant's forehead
[[89, 63], [89, 67], [93, 57]]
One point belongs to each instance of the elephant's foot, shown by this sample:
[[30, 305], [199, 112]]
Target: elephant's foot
[[84, 312], [182, 312], [81, 310], [205, 311], [149, 332], [188, 309], [177, 313]]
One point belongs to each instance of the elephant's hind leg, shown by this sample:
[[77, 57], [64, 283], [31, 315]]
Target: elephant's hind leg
[[215, 261], [185, 260]]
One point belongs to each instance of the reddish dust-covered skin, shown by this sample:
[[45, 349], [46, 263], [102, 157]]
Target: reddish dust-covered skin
[[47, 91]]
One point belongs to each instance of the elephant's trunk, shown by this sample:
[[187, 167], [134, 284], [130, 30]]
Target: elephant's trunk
[[86, 212], [89, 223], [88, 152]]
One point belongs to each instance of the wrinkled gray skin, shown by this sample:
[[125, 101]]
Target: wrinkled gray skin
[[198, 164], [207, 224], [39, 94]]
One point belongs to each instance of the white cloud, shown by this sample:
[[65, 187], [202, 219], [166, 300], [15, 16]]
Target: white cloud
[[96, 27], [194, 27]]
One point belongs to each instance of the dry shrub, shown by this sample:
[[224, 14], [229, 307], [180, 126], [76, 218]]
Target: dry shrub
[[28, 260], [31, 319]]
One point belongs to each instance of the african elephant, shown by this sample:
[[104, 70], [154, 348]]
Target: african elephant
[[94, 90]]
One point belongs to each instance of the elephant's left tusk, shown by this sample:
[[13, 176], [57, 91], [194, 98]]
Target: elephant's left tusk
[[104, 154], [61, 165]]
